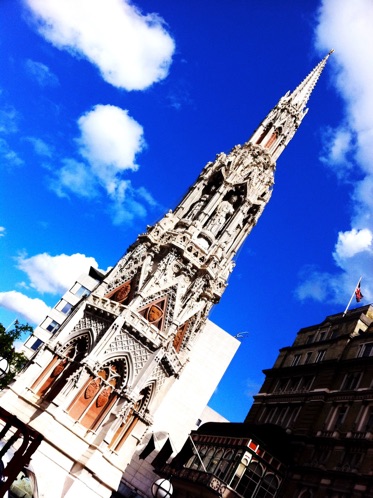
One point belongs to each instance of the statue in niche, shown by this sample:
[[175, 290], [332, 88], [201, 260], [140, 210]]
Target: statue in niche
[[197, 207], [221, 215]]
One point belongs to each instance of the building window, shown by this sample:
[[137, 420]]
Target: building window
[[351, 461], [291, 416], [215, 460], [50, 325], [335, 333], [36, 344], [294, 384], [338, 417], [351, 381], [308, 357], [224, 469], [366, 350], [269, 486], [64, 307], [366, 424], [307, 382], [310, 339], [296, 360], [282, 385], [82, 291], [320, 456], [320, 355], [250, 479], [281, 415], [208, 456]]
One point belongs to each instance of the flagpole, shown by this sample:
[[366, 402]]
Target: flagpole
[[352, 296], [200, 459]]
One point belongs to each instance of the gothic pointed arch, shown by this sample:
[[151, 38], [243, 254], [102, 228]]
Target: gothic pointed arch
[[264, 134], [127, 366], [185, 334], [127, 272], [132, 417], [64, 364], [98, 394], [180, 336]]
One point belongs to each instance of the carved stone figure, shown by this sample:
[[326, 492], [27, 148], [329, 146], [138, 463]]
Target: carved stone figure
[[197, 207], [222, 213]]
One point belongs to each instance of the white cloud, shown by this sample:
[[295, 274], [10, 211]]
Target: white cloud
[[338, 147], [130, 203], [8, 120], [40, 147], [131, 50], [55, 274], [9, 156], [347, 27], [353, 242], [74, 177], [41, 73], [110, 140], [32, 310], [2, 231]]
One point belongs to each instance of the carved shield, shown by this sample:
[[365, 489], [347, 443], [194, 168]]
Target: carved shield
[[92, 389], [122, 293], [155, 313], [102, 398]]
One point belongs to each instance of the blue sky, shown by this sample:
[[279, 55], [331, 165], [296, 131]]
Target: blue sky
[[108, 112]]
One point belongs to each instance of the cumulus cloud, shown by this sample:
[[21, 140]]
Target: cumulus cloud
[[346, 26], [41, 73], [109, 142], [73, 177], [2, 231], [54, 274], [131, 50], [32, 310], [353, 242]]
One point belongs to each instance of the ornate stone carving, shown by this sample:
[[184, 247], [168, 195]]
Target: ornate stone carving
[[92, 389], [103, 397], [122, 293]]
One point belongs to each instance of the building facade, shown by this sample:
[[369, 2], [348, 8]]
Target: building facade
[[106, 363], [320, 391], [230, 460]]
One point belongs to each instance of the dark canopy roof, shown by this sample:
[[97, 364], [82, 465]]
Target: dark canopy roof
[[272, 438]]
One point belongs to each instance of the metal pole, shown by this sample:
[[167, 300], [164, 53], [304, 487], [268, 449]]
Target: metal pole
[[200, 459], [349, 302]]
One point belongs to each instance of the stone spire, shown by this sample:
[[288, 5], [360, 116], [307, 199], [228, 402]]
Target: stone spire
[[279, 127], [186, 258], [109, 364], [302, 93]]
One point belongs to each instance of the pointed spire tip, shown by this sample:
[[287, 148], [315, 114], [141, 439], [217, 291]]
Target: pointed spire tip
[[331, 51]]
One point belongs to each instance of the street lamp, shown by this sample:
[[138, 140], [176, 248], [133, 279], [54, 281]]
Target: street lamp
[[4, 367], [162, 488]]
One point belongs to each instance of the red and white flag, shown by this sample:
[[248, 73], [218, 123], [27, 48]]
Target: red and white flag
[[358, 293]]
